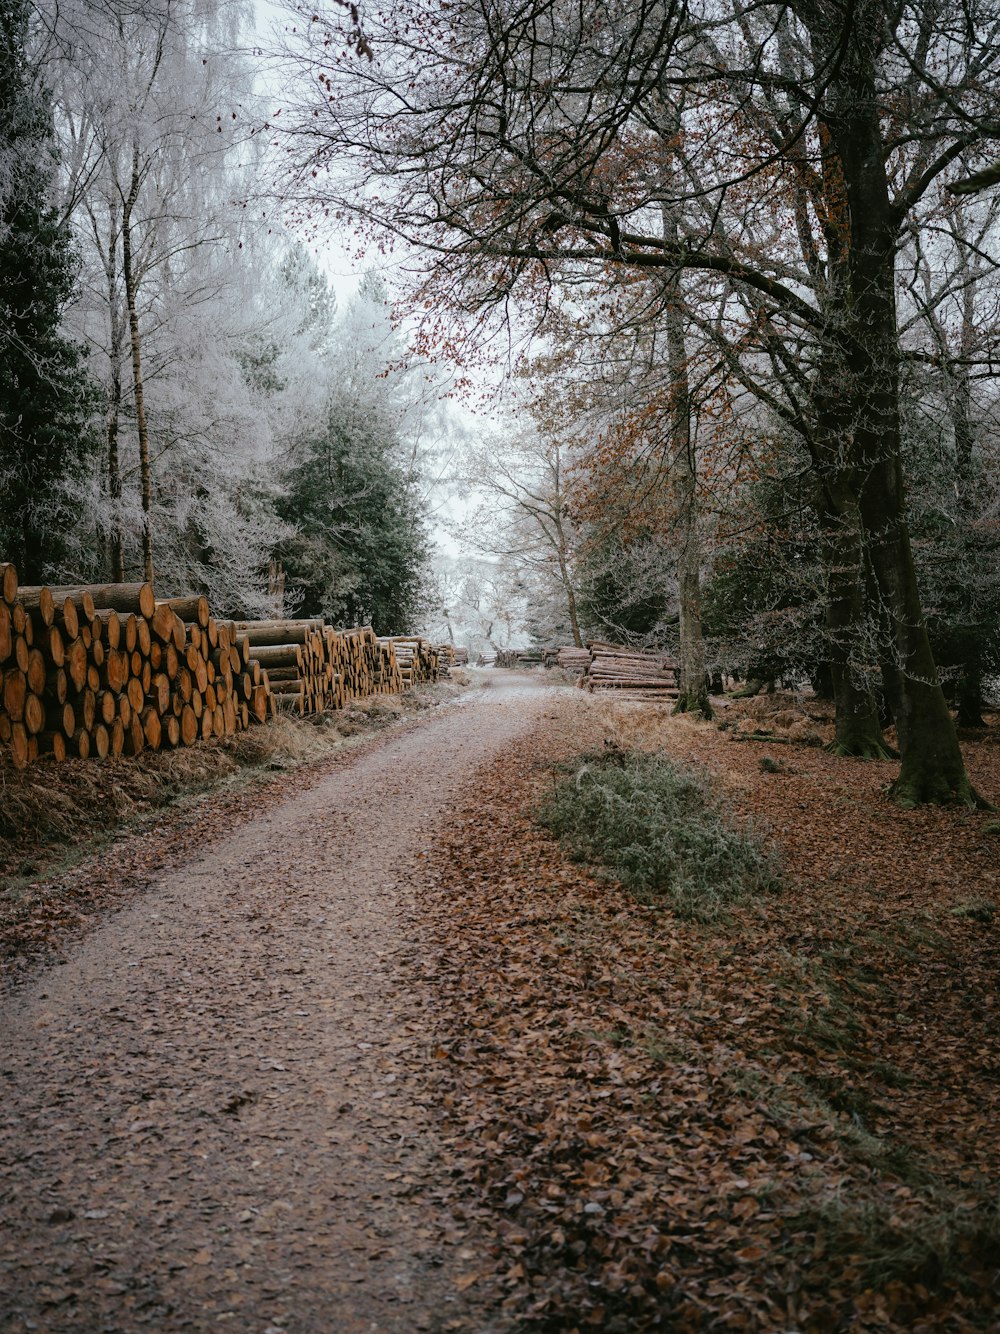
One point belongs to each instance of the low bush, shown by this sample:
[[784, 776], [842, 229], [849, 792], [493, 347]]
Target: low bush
[[657, 829]]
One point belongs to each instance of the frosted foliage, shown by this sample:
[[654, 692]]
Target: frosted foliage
[[158, 100], [480, 604]]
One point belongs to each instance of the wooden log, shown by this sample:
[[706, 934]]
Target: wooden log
[[161, 623], [6, 633], [38, 598], [67, 617], [56, 685], [135, 739], [107, 707], [130, 632], [194, 608], [117, 734], [159, 693], [22, 647], [111, 626], [8, 582], [135, 693], [51, 642], [52, 743], [189, 726], [34, 714], [278, 655], [65, 716], [18, 747], [171, 732], [116, 671], [36, 671], [86, 708], [258, 702], [76, 663], [15, 692], [101, 741], [137, 598], [152, 728], [265, 633], [79, 743]]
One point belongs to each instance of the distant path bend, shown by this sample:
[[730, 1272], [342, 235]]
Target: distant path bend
[[205, 1121]]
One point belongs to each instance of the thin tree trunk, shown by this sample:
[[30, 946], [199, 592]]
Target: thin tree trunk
[[693, 683], [131, 296], [568, 590]]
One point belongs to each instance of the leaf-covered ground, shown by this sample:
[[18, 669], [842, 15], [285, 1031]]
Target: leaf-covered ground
[[781, 1119], [786, 1119]]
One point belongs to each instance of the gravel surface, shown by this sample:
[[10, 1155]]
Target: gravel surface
[[207, 1117]]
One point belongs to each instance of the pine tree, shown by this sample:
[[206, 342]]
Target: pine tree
[[45, 396]]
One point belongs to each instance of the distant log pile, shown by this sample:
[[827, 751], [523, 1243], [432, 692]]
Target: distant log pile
[[418, 660], [520, 657], [573, 659], [646, 674], [107, 669], [98, 670]]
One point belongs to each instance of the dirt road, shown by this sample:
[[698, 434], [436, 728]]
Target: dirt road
[[206, 1120]]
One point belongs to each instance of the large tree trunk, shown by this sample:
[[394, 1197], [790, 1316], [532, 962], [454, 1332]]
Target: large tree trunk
[[932, 768]]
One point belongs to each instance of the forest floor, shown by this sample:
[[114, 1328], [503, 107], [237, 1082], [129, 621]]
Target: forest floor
[[360, 1039]]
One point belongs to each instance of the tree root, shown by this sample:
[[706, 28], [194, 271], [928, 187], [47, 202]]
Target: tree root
[[867, 749], [694, 703], [909, 793]]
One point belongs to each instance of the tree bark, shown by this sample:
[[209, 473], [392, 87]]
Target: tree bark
[[932, 768], [692, 679], [131, 300]]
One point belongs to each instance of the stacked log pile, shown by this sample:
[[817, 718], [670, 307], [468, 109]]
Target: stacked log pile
[[646, 674], [313, 668], [417, 658], [573, 659], [461, 657], [520, 657], [108, 670]]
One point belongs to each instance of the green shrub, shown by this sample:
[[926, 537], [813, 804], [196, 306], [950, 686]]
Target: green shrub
[[657, 829]]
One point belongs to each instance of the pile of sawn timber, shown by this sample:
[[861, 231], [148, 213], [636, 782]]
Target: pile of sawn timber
[[646, 674], [109, 669], [98, 670]]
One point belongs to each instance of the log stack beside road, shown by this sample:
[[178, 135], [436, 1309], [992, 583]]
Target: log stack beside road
[[98, 670], [107, 669]]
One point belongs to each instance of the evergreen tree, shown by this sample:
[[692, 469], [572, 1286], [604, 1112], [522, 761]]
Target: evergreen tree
[[360, 553], [44, 392]]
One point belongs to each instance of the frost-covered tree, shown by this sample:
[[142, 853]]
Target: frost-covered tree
[[151, 110]]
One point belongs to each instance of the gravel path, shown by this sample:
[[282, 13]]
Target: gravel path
[[206, 1116]]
